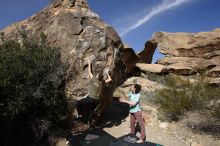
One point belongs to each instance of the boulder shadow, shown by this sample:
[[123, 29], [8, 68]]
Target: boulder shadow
[[115, 115]]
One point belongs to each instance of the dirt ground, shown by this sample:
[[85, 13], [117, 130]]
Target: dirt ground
[[167, 136], [186, 132], [183, 133]]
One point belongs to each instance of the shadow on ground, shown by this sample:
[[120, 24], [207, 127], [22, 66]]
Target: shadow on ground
[[115, 115]]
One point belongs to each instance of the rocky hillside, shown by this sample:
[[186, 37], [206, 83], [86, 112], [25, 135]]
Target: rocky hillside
[[185, 53]]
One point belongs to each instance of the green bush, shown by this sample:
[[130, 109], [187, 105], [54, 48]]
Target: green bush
[[180, 95], [31, 88], [215, 107]]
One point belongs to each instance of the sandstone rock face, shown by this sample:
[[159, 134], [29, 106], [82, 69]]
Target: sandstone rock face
[[81, 35], [187, 65], [130, 58], [187, 53], [203, 44], [146, 55], [147, 86], [154, 68]]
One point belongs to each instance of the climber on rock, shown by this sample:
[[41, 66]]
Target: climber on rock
[[94, 94]]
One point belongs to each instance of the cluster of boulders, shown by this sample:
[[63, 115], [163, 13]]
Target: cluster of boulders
[[185, 54]]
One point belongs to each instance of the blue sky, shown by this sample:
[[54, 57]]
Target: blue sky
[[135, 21]]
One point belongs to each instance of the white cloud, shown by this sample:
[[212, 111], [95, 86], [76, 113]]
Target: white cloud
[[162, 7]]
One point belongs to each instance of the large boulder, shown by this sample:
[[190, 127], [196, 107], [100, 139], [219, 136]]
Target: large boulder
[[81, 36], [186, 53], [147, 86]]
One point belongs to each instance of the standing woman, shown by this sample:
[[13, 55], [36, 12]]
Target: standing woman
[[135, 110]]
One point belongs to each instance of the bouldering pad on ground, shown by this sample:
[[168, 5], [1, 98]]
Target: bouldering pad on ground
[[102, 138]]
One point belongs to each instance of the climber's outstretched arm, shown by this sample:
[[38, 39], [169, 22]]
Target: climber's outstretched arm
[[90, 70], [109, 79]]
